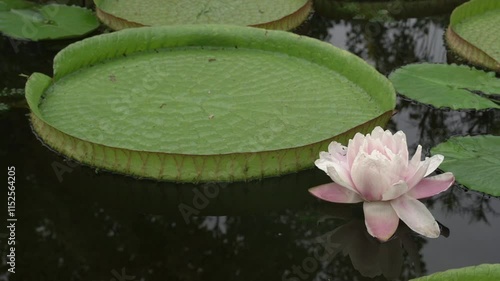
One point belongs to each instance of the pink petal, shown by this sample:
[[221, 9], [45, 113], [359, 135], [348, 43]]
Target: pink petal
[[432, 185], [334, 192], [401, 146], [418, 174], [325, 160], [389, 141], [416, 216], [395, 191], [435, 161], [371, 144], [399, 166], [381, 220], [353, 148], [341, 176], [377, 132], [371, 176], [338, 151], [415, 161], [336, 158]]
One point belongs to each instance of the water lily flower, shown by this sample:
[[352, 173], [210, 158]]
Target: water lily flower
[[376, 169]]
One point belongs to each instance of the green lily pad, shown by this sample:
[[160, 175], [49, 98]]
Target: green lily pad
[[384, 9], [444, 85], [52, 21], [204, 103], [475, 161], [473, 33], [483, 272], [278, 14]]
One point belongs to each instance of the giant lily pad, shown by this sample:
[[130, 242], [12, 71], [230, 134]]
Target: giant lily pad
[[473, 33], [278, 14], [204, 103], [384, 9], [23, 20], [483, 272], [444, 85], [475, 161]]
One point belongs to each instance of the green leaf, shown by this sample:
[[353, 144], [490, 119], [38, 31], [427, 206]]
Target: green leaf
[[483, 272], [473, 33], [47, 22], [444, 85], [202, 103], [475, 161], [277, 14]]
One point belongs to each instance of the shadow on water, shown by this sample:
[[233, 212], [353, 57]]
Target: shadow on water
[[79, 224]]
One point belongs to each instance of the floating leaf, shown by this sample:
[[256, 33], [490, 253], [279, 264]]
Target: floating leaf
[[483, 272], [277, 14], [46, 22], [204, 102], [475, 161], [473, 33], [444, 85]]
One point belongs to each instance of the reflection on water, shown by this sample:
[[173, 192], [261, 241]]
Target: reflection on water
[[396, 258], [428, 126], [79, 224], [385, 45]]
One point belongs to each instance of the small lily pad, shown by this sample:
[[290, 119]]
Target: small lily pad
[[24, 21], [483, 272], [473, 33], [475, 161], [204, 102], [441, 85], [277, 14]]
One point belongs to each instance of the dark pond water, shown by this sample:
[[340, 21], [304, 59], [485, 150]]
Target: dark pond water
[[88, 225]]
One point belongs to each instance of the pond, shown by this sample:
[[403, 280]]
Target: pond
[[77, 223]]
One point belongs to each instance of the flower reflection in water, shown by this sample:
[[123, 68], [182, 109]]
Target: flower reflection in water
[[371, 257]]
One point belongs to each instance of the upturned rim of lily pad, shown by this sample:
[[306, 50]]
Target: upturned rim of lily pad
[[286, 22], [463, 48], [219, 166]]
